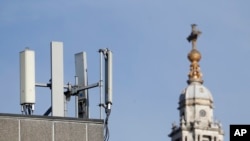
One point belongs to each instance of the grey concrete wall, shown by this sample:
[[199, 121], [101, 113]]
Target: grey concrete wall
[[40, 128]]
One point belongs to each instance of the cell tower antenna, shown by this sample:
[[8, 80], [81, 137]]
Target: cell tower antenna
[[108, 79], [27, 81]]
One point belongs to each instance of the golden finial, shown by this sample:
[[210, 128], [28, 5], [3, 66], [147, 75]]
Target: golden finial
[[194, 57]]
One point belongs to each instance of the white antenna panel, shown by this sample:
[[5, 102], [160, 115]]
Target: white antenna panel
[[57, 80], [27, 76], [108, 78], [81, 71]]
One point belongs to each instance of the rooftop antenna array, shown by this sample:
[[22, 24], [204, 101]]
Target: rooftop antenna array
[[61, 93]]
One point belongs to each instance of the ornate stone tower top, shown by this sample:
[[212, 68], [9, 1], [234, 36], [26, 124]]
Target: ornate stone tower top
[[196, 104], [194, 57]]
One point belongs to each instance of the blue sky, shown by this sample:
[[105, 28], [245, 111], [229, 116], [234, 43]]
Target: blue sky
[[148, 40]]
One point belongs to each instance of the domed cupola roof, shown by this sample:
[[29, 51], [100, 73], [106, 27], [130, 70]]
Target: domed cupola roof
[[196, 90]]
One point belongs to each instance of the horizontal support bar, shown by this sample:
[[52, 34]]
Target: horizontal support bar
[[49, 85], [75, 88], [88, 87], [43, 85]]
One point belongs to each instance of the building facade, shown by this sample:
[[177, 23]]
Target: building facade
[[46, 128]]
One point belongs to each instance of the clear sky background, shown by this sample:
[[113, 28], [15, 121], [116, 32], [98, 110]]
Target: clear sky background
[[148, 40]]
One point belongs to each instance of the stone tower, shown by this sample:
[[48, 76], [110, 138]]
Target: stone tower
[[196, 104]]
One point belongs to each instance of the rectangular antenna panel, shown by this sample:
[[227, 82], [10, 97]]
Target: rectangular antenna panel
[[81, 72], [108, 78], [27, 77], [57, 82]]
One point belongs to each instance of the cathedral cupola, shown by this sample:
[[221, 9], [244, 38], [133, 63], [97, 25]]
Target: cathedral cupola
[[196, 103]]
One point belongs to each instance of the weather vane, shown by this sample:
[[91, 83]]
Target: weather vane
[[193, 35]]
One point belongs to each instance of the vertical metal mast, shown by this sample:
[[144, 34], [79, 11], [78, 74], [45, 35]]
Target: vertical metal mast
[[101, 83], [76, 98]]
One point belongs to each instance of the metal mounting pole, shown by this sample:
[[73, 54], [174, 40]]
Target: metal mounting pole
[[65, 107], [76, 98], [101, 84]]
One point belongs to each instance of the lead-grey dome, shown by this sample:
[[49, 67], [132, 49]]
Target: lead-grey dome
[[196, 90]]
